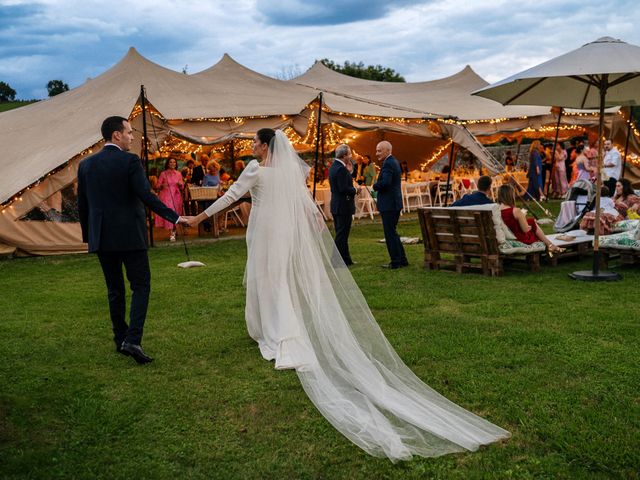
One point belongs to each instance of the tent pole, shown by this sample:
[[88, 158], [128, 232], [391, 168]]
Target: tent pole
[[318, 127], [451, 162], [626, 143], [145, 150], [553, 152]]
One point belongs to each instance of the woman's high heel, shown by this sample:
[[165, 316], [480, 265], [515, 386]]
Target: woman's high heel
[[553, 249]]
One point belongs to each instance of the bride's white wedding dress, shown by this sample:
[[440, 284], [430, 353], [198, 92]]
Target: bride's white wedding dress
[[306, 312]]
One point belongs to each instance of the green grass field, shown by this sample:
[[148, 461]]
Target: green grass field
[[552, 360], [4, 106]]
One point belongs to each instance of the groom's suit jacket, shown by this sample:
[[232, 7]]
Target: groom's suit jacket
[[342, 190], [112, 192]]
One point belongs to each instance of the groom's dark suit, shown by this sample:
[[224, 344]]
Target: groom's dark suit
[[112, 192], [389, 205], [343, 206]]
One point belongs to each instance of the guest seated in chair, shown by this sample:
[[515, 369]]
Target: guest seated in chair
[[613, 209], [479, 197], [526, 230]]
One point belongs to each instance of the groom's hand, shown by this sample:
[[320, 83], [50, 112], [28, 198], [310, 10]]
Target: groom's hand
[[184, 221]]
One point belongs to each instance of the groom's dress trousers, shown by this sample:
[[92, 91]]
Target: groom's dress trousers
[[343, 206], [112, 192]]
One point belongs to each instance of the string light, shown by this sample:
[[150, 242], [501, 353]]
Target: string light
[[68, 164], [437, 155]]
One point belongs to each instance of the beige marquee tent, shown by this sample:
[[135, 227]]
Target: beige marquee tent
[[44, 142]]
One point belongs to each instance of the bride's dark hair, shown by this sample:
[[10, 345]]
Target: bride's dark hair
[[266, 135]]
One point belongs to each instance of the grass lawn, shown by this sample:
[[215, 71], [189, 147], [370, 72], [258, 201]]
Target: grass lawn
[[4, 106], [552, 360]]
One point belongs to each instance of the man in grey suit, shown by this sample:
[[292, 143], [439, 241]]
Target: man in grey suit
[[389, 203], [112, 192]]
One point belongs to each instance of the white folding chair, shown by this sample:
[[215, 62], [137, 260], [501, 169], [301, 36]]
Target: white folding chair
[[441, 192], [320, 205], [365, 204], [425, 189], [235, 216], [409, 192]]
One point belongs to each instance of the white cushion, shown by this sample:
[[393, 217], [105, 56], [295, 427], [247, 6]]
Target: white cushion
[[503, 232], [624, 225], [623, 241]]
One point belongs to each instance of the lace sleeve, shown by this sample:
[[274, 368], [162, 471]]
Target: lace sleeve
[[247, 179]]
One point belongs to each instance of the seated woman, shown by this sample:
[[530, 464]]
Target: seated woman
[[212, 178], [526, 230], [612, 210]]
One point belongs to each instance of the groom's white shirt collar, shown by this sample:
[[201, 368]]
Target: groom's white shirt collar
[[109, 144], [343, 164]]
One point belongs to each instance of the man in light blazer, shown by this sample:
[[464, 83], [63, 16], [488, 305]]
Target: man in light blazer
[[343, 194], [389, 203], [112, 193]]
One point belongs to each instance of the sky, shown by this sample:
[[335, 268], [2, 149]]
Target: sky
[[72, 40]]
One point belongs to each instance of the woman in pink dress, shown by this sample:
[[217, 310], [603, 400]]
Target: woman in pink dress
[[560, 171], [526, 230], [170, 186]]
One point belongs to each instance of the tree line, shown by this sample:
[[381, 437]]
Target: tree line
[[54, 87]]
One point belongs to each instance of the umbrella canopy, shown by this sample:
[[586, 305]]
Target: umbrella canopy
[[599, 74], [575, 79]]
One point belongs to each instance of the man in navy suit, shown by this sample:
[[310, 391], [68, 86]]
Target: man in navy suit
[[112, 192], [389, 203], [480, 197], [343, 204]]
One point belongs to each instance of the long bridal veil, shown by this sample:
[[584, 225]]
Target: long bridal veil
[[346, 365]]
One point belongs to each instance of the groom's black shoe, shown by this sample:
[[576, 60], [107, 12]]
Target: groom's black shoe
[[136, 352]]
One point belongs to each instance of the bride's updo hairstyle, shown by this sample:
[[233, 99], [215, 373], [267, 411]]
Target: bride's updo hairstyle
[[266, 135]]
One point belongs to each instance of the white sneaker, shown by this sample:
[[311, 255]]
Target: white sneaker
[[172, 238]]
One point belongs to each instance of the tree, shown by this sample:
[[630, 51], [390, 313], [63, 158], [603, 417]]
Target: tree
[[56, 87], [370, 72], [7, 94]]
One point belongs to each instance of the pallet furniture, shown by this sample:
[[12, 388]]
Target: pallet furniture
[[579, 247], [466, 238], [625, 245]]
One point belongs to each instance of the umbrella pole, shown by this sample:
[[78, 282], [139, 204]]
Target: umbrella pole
[[595, 275]]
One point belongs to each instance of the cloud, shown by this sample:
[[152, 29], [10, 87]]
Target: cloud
[[318, 12], [422, 40]]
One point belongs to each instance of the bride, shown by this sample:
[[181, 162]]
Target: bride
[[306, 312]]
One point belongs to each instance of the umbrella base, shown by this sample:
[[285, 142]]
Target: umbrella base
[[590, 276]]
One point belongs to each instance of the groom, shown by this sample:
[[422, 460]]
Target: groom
[[112, 192]]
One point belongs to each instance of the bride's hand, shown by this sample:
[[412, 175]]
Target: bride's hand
[[194, 221]]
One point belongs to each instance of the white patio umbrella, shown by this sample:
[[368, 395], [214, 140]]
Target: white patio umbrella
[[599, 74]]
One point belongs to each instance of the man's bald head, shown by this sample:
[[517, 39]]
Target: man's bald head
[[383, 150]]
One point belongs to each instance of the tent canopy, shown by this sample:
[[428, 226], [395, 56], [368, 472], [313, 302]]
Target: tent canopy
[[449, 96]]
